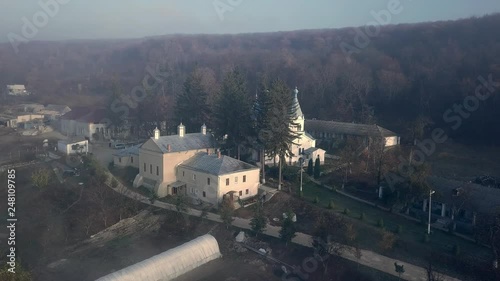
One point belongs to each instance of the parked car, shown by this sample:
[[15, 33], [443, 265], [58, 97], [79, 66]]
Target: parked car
[[119, 146], [71, 173], [486, 181]]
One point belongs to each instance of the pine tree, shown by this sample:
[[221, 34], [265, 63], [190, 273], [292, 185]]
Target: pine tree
[[259, 135], [227, 212], [310, 169], [259, 220], [317, 168], [232, 111], [288, 229], [191, 104], [275, 131]]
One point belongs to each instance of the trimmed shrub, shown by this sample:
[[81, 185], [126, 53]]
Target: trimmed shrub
[[380, 223], [456, 250], [362, 216], [399, 229], [346, 211], [316, 200], [387, 241], [331, 205]]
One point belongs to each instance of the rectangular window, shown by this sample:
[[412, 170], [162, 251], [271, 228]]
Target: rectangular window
[[151, 168], [204, 194], [119, 159], [194, 177], [131, 159], [157, 170], [227, 182], [244, 178], [183, 174], [144, 167], [235, 179], [241, 192], [208, 181], [246, 192]]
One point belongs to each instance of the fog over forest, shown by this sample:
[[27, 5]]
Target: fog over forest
[[406, 72]]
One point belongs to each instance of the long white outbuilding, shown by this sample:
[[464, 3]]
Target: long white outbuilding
[[170, 264]]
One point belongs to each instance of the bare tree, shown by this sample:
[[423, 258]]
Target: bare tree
[[349, 154], [40, 178], [358, 254], [329, 238], [432, 275]]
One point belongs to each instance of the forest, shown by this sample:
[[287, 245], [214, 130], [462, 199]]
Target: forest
[[408, 72]]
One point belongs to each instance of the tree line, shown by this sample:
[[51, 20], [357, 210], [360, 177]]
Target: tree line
[[408, 71]]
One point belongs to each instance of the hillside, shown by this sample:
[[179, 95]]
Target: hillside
[[405, 71]]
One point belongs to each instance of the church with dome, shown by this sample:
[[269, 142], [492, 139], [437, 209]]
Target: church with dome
[[303, 146]]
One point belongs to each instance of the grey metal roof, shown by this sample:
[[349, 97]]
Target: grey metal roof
[[5, 118], [58, 107], [133, 150], [346, 128], [309, 135], [185, 143], [473, 196], [311, 150], [73, 139], [209, 163]]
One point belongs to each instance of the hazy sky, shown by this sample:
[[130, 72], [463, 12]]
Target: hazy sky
[[79, 19]]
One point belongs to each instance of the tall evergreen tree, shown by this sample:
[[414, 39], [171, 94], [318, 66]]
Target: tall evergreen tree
[[259, 220], [310, 169], [191, 104], [277, 116], [317, 168], [288, 228], [226, 212], [259, 134], [232, 111]]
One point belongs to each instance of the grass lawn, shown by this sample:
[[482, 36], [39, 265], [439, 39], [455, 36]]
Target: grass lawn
[[410, 239]]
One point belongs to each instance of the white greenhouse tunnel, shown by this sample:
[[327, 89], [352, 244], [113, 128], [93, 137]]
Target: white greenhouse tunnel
[[170, 264]]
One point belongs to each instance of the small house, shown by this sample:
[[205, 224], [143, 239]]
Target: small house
[[73, 146]]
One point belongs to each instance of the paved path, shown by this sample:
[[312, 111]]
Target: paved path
[[368, 258]]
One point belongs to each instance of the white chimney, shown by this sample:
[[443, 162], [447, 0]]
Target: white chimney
[[156, 133], [181, 130], [204, 129]]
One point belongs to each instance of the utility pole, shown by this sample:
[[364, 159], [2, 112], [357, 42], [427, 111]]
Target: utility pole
[[263, 163], [301, 162], [430, 206]]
